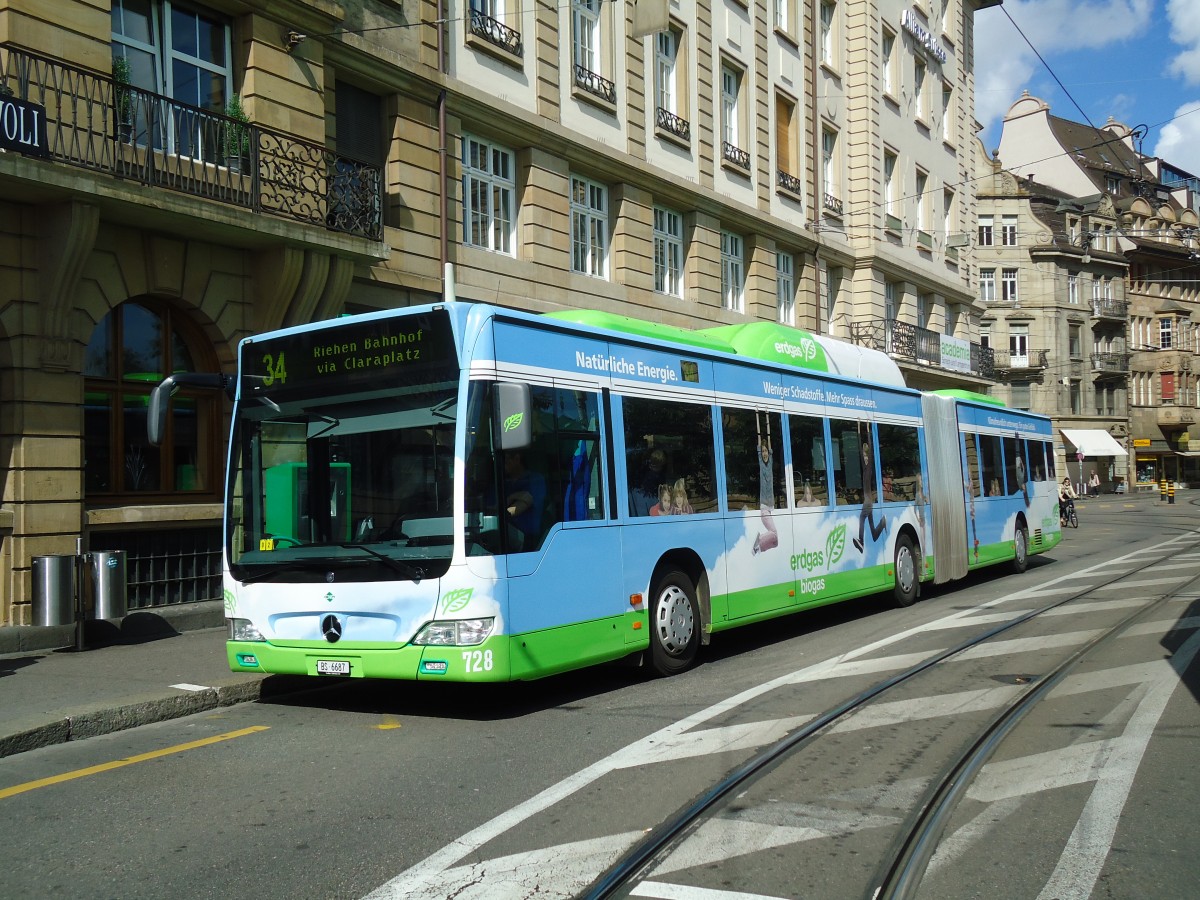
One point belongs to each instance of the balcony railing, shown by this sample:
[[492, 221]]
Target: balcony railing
[[789, 182], [833, 204], [668, 121], [595, 84], [1111, 363], [735, 155], [96, 123], [1110, 309], [1010, 360], [496, 33], [905, 341]]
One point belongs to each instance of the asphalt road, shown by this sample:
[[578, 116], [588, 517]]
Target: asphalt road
[[531, 790]]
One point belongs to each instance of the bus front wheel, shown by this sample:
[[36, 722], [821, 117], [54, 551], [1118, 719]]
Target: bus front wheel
[[1020, 549], [907, 572], [674, 623]]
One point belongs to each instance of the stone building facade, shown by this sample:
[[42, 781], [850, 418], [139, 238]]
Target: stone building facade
[[193, 174]]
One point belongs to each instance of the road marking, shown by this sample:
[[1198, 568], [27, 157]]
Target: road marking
[[661, 890], [191, 687], [128, 761], [1153, 582]]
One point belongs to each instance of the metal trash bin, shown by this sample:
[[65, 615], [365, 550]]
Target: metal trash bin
[[54, 590], [109, 584]]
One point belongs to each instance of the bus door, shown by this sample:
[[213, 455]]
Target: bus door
[[808, 445], [758, 532]]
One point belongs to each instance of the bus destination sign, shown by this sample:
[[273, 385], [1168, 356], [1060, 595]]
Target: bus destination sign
[[377, 352]]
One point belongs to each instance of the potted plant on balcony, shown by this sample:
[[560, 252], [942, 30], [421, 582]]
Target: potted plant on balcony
[[237, 135], [122, 97]]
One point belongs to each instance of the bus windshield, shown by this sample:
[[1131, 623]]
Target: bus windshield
[[361, 487]]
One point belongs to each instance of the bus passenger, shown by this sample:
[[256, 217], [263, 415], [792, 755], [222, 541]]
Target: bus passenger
[[643, 491], [525, 499], [663, 507]]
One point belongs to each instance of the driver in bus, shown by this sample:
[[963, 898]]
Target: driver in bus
[[525, 498]]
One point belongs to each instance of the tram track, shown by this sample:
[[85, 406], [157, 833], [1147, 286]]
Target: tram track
[[900, 873]]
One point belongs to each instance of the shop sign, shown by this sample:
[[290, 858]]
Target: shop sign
[[922, 35], [1141, 442], [955, 354], [23, 127]]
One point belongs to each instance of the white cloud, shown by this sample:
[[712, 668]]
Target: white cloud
[[1179, 139], [1005, 64], [1184, 16]]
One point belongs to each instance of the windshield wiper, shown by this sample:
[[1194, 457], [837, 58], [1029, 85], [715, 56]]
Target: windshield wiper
[[290, 566], [398, 565]]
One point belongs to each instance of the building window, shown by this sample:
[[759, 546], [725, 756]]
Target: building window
[[670, 59], [949, 216], [831, 170], [731, 117], [985, 335], [891, 188], [1019, 396], [987, 285], [947, 113], [785, 288], [1075, 341], [489, 195], [985, 231], [924, 238], [1076, 397], [922, 311], [1008, 285], [829, 33], [488, 22], [833, 288], [733, 271], [1112, 184], [890, 310], [183, 53], [589, 227], [952, 316], [1008, 231], [1018, 346], [888, 52], [787, 145], [588, 49], [668, 252], [1072, 287], [920, 107], [1164, 334], [131, 350], [785, 13]]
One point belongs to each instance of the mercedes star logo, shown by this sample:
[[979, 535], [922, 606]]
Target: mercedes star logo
[[331, 628]]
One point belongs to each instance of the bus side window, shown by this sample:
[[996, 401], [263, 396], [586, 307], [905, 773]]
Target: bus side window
[[680, 438], [900, 460], [847, 461], [809, 474]]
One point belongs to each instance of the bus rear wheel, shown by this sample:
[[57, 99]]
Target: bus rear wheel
[[674, 623], [905, 568], [1020, 549]]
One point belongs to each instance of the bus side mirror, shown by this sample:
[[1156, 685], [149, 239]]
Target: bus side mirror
[[514, 415], [160, 398]]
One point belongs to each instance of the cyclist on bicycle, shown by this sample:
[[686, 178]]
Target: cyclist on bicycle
[[1066, 499]]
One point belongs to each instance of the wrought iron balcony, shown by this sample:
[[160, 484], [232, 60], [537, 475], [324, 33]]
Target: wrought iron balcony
[[908, 343], [1110, 309], [833, 204], [668, 121], [496, 33], [789, 182], [735, 155], [96, 123], [1111, 363], [1029, 363], [594, 84]]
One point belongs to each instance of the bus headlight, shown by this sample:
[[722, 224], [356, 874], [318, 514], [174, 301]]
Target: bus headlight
[[457, 633], [243, 630]]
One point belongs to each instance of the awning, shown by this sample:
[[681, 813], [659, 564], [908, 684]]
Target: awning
[[1093, 442]]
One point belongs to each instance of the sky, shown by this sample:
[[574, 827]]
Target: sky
[[1135, 60]]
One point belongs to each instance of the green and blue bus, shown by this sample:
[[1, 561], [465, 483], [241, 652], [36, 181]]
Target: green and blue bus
[[467, 493]]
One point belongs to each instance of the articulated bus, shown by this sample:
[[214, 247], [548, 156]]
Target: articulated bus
[[467, 493]]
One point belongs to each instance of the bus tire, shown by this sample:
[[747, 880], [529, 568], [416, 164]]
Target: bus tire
[[1020, 549], [907, 572], [674, 623]]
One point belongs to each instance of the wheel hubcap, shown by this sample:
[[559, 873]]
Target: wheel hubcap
[[906, 569], [675, 624]]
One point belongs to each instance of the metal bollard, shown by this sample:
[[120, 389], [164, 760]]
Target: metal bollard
[[1171, 492], [1162, 491]]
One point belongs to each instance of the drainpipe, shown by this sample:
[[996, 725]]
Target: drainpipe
[[443, 165], [818, 186]]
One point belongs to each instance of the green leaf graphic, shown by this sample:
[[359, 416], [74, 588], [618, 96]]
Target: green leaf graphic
[[835, 545], [230, 601], [456, 600], [513, 421]]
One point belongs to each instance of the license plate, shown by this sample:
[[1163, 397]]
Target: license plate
[[333, 667]]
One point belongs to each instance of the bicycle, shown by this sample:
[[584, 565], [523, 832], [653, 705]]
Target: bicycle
[[1067, 515]]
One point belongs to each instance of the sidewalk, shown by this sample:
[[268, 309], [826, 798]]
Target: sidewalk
[[155, 666]]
